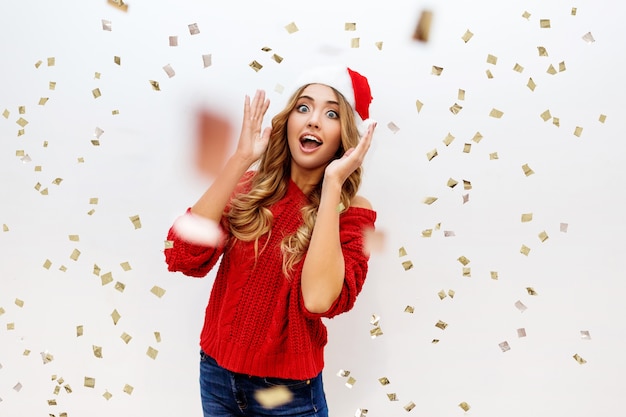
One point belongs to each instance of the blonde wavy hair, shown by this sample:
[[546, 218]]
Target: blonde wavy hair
[[249, 217]]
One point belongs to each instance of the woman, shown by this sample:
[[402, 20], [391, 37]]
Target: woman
[[292, 248]]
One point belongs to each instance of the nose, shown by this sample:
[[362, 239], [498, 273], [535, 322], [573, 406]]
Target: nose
[[313, 120]]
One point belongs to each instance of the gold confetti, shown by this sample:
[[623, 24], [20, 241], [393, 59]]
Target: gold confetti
[[155, 85], [542, 51], [193, 29], [43, 101], [107, 395], [106, 278], [136, 221], [96, 92], [255, 66], [422, 30], [152, 352], [173, 40], [442, 294], [419, 105], [461, 94], [467, 185], [448, 139], [562, 66], [376, 332], [451, 293], [544, 23], [157, 336], [274, 396], [126, 337], [441, 325], [407, 265], [526, 15], [455, 108], [465, 198], [393, 127], [527, 217], [489, 74], [38, 63], [494, 275], [409, 309], [50, 402], [5, 228], [602, 118], [491, 59], [75, 254], [349, 26], [57, 181], [543, 236], [452, 183], [467, 36], [128, 389], [120, 5], [19, 303], [430, 155], [448, 233], [343, 373], [277, 58], [52, 85], [588, 37], [350, 382], [546, 115], [120, 286], [291, 28], [117, 60], [402, 252], [585, 335], [463, 260], [521, 332], [496, 113], [531, 84], [465, 406], [524, 250], [579, 359], [10, 326], [518, 68], [379, 45], [51, 61], [169, 70], [551, 70], [563, 227], [430, 200], [158, 291], [355, 42], [467, 272], [520, 306], [115, 112], [427, 233], [375, 319], [206, 60], [21, 109], [477, 137], [573, 11], [504, 346], [6, 113], [79, 330], [409, 406], [125, 266], [531, 291], [90, 382], [96, 75], [578, 131], [22, 122], [436, 70], [115, 316], [467, 147], [527, 170], [168, 244], [392, 396], [97, 351]]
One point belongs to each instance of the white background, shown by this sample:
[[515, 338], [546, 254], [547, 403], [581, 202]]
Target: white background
[[143, 167]]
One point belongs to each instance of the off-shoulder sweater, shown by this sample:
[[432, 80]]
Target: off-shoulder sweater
[[255, 321]]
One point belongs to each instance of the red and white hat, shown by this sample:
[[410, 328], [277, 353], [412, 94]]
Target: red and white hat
[[352, 85]]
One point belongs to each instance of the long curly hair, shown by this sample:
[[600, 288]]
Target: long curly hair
[[250, 218]]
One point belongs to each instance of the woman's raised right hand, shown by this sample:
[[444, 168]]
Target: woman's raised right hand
[[253, 139]]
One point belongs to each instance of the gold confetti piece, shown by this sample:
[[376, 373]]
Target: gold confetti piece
[[448, 233], [37, 168], [155, 85], [434, 341], [96, 75], [543, 236], [120, 286], [266, 49], [107, 395], [37, 186], [455, 108], [5, 228], [43, 101], [169, 70], [136, 221], [467, 272], [556, 122], [376, 332], [584, 334], [465, 406], [106, 25], [422, 30], [551, 70], [465, 198], [392, 396], [409, 309], [350, 382], [10, 326], [79, 331], [157, 336], [291, 28], [477, 137], [524, 250], [419, 105], [57, 181], [427, 233], [542, 51], [2, 311], [526, 15], [436, 70], [527, 217], [158, 291], [467, 36], [168, 244], [494, 275], [531, 291], [115, 112], [504, 346], [152, 352], [96, 92], [128, 389], [441, 325], [57, 389], [402, 252], [120, 5], [26, 352], [19, 303], [106, 278], [467, 147], [461, 94], [52, 85], [573, 11], [407, 265], [173, 40], [193, 29], [496, 113], [409, 406], [383, 381], [430, 155], [117, 60], [531, 84], [546, 115], [206, 60], [379, 45], [277, 58], [51, 61], [578, 131], [463, 260], [467, 185], [521, 332], [544, 23], [442, 294], [38, 63], [491, 59], [349, 26], [95, 142], [125, 266], [451, 293], [22, 122], [588, 37], [255, 66], [489, 74], [6, 113], [448, 139], [75, 254], [343, 373], [452, 183], [126, 337], [355, 42], [90, 382], [274, 396], [520, 306], [518, 68], [115, 316], [393, 127], [97, 351], [62, 268], [579, 359], [562, 66], [527, 170], [602, 118], [52, 402], [374, 320], [563, 227], [430, 200], [80, 160]]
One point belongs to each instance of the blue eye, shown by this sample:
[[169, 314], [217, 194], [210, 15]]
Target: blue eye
[[302, 108], [332, 114]]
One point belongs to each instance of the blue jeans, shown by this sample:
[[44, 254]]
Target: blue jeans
[[229, 394]]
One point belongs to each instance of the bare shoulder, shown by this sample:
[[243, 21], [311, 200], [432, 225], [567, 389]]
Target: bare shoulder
[[360, 201]]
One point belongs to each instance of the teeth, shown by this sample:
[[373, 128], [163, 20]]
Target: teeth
[[312, 138]]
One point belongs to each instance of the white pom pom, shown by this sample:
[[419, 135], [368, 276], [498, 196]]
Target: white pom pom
[[363, 126], [198, 230]]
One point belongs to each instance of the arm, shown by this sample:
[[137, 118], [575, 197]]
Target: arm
[[324, 267]]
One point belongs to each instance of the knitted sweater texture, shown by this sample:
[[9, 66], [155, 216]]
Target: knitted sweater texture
[[255, 321]]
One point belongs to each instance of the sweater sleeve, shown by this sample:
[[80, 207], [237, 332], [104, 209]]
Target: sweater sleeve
[[352, 224]]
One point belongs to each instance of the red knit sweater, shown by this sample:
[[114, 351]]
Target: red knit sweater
[[255, 321]]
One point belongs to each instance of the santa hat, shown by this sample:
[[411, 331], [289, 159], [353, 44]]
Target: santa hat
[[352, 85]]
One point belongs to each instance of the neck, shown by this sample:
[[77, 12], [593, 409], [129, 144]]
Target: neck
[[306, 180]]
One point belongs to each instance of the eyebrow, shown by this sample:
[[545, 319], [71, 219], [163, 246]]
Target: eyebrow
[[312, 99]]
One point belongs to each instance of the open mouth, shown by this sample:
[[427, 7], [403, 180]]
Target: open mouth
[[310, 142]]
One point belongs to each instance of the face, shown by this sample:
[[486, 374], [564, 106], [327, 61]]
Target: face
[[314, 129]]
